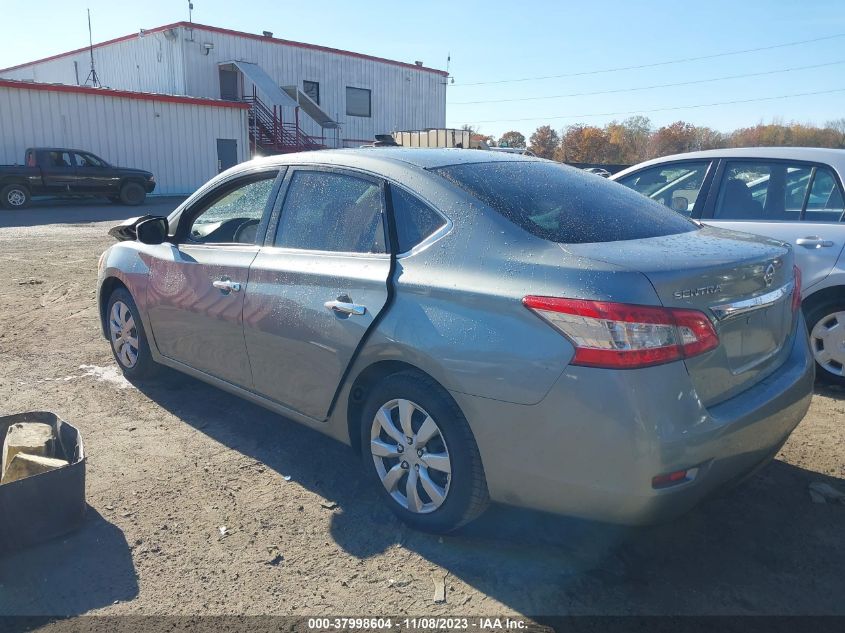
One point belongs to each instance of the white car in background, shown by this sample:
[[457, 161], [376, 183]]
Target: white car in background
[[793, 194]]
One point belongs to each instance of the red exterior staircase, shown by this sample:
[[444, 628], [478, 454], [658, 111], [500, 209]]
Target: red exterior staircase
[[269, 134]]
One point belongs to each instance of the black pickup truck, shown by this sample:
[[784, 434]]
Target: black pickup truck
[[51, 171]]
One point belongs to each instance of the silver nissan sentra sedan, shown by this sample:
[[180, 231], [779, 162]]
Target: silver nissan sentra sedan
[[480, 326]]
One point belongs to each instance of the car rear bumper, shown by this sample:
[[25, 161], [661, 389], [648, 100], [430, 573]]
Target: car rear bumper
[[149, 187], [593, 445]]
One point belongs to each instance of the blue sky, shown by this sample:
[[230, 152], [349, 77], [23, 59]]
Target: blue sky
[[497, 40]]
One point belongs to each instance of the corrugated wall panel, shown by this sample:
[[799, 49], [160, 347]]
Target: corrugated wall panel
[[403, 98], [175, 141]]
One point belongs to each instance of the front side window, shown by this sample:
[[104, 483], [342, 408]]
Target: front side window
[[358, 102], [312, 89], [675, 185], [415, 220], [762, 191], [233, 216], [325, 211], [564, 204], [88, 160]]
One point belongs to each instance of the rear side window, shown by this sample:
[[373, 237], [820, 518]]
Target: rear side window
[[415, 220], [60, 159], [826, 203], [326, 211], [764, 190], [563, 204]]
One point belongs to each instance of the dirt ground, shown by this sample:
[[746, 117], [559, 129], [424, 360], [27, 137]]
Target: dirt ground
[[201, 503]]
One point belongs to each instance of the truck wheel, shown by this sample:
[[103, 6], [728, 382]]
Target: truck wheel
[[132, 194], [15, 197]]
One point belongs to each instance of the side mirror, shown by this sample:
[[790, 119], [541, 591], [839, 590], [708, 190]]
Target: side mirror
[[152, 231], [680, 204]]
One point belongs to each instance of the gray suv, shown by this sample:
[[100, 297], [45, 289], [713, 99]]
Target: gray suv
[[478, 325]]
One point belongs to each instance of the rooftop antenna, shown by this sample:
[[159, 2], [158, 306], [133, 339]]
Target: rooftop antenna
[[92, 74], [448, 63], [190, 11]]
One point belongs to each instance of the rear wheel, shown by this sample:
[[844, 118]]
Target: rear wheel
[[15, 197], [127, 337], [132, 194], [421, 454], [826, 323]]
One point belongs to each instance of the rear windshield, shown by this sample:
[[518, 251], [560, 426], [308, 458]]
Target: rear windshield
[[563, 204]]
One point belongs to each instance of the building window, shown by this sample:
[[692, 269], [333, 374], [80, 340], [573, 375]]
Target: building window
[[358, 102], [312, 89]]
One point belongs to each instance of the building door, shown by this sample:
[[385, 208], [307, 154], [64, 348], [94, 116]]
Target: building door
[[229, 85], [227, 154]]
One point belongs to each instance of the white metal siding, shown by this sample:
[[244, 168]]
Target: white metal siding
[[175, 141], [403, 97], [142, 64]]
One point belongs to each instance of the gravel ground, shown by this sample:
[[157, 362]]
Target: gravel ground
[[201, 503]]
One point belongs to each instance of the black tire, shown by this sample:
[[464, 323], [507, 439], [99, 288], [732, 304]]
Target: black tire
[[15, 197], [823, 313], [467, 496], [144, 365], [132, 194]]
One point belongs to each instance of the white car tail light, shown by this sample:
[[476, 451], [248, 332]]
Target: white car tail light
[[626, 336]]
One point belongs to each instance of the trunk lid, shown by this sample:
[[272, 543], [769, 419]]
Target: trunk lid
[[742, 282]]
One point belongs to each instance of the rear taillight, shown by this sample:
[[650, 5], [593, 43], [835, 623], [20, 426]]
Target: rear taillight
[[796, 289], [625, 336]]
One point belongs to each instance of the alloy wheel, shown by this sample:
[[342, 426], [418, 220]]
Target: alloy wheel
[[410, 456], [124, 334], [828, 343], [16, 198]]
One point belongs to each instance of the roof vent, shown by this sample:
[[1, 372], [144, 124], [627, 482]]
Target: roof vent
[[418, 63], [267, 33]]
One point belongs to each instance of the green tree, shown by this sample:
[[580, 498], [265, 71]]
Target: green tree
[[512, 139]]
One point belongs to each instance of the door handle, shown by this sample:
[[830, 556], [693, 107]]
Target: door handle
[[813, 241], [345, 307], [226, 285]]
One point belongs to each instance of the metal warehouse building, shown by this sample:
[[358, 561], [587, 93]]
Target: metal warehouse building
[[175, 90], [176, 138]]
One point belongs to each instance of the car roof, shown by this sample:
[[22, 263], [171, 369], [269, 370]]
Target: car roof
[[426, 158], [830, 156], [60, 149]]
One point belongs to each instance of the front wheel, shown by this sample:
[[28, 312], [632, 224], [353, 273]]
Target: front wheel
[[15, 197], [132, 194], [128, 340], [420, 452], [826, 323]]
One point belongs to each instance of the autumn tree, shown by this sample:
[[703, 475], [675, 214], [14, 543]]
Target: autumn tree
[[544, 142], [629, 140], [583, 144], [512, 139], [677, 138]]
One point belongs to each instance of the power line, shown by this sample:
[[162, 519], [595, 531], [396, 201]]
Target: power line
[[686, 107], [652, 87], [654, 64]]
